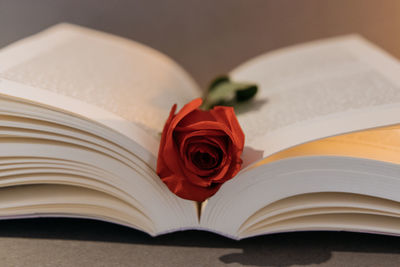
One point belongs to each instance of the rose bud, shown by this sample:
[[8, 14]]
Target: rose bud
[[199, 150]]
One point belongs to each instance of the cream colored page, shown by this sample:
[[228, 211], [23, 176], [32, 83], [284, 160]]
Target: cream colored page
[[122, 77], [319, 89], [382, 144]]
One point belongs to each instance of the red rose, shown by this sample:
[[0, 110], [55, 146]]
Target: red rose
[[199, 150]]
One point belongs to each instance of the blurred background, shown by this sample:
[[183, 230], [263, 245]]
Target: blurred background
[[207, 38]]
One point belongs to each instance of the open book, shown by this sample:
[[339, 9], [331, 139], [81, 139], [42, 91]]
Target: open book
[[81, 112]]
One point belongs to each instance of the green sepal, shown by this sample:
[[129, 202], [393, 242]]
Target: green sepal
[[217, 81]]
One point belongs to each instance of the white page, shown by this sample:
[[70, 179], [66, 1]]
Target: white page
[[99, 76], [319, 89]]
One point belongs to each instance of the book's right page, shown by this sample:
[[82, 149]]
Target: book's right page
[[310, 92], [319, 89]]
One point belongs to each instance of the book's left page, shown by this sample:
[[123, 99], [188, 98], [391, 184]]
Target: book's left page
[[80, 113], [118, 82]]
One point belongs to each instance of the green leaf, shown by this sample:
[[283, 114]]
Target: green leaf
[[224, 92], [246, 93]]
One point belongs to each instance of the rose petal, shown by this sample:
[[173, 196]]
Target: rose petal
[[204, 156], [196, 116], [169, 153], [226, 115], [207, 125], [161, 166], [184, 189], [196, 175]]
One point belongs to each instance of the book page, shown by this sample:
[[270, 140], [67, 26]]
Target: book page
[[382, 144], [124, 78], [255, 189], [102, 100], [320, 89]]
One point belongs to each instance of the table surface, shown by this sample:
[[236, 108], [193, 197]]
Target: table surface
[[207, 38]]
